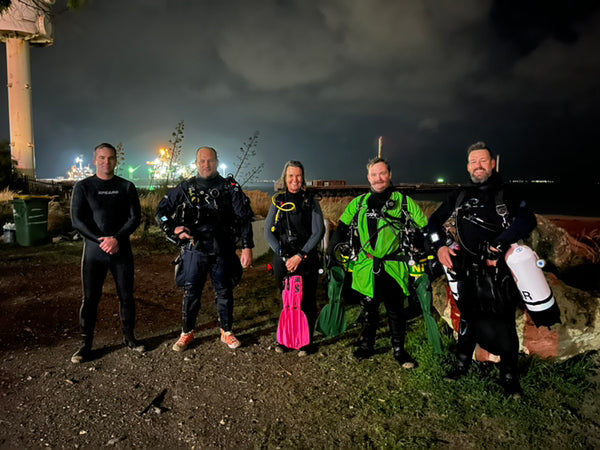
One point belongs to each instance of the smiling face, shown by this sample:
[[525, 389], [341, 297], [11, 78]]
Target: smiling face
[[105, 160], [480, 165], [293, 179], [207, 162], [380, 178]]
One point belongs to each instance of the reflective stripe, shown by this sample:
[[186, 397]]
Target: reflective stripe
[[541, 305]]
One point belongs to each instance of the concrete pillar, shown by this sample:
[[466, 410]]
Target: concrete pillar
[[20, 105]]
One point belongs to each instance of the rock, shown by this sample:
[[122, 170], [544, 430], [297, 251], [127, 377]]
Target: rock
[[553, 244], [579, 331]]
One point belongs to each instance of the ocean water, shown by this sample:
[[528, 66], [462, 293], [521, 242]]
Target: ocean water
[[543, 198], [563, 198], [551, 198]]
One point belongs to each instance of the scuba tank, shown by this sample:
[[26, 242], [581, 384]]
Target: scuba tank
[[451, 276], [525, 267], [452, 283]]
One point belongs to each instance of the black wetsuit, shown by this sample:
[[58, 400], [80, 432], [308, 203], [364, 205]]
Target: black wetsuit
[[104, 208], [217, 213], [487, 296], [297, 232]]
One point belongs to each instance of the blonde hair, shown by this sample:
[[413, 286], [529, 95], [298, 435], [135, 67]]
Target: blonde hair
[[289, 164]]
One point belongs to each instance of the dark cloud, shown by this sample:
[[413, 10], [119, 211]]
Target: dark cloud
[[322, 80]]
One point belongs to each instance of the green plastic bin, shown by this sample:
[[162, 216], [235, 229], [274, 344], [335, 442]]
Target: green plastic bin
[[31, 219]]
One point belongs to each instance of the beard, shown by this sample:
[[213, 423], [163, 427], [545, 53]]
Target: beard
[[483, 179]]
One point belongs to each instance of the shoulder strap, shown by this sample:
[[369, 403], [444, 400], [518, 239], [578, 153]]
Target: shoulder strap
[[361, 202], [459, 199], [501, 207], [405, 217]]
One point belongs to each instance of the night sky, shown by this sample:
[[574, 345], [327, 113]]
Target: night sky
[[321, 81]]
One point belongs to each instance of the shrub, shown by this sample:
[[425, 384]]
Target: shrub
[[261, 202]]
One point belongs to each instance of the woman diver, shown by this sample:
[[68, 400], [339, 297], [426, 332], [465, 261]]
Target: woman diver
[[293, 229]]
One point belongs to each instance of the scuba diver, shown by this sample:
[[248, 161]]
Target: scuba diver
[[380, 223], [207, 215], [293, 229], [488, 217]]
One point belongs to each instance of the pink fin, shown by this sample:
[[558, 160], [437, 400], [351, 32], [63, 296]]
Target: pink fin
[[293, 331]]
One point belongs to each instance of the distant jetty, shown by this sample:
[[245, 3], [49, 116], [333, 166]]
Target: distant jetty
[[340, 188]]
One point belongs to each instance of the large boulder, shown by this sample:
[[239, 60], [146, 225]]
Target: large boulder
[[579, 331], [557, 247]]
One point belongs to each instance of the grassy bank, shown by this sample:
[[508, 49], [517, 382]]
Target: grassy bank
[[382, 405]]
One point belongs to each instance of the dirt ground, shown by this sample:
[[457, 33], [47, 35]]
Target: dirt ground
[[208, 396]]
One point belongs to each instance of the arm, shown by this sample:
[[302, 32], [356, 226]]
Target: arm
[[437, 233], [82, 216], [165, 212], [244, 213], [522, 225], [416, 213], [135, 214], [269, 234]]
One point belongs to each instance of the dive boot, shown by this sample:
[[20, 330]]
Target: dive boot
[[135, 345], [510, 383], [460, 369], [82, 355], [363, 352], [404, 359]]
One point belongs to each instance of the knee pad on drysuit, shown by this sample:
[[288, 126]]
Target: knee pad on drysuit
[[537, 295]]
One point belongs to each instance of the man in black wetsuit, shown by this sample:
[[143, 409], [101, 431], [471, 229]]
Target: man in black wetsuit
[[489, 217], [207, 215], [105, 209]]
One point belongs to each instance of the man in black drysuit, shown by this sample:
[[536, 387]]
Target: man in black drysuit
[[207, 215], [105, 209], [489, 218]]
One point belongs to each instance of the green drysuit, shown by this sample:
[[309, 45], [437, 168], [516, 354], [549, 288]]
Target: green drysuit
[[387, 242]]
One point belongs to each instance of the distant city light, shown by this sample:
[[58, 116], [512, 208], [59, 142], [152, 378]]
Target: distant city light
[[78, 171]]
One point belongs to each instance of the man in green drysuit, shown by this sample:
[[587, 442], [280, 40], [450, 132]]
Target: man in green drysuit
[[383, 219]]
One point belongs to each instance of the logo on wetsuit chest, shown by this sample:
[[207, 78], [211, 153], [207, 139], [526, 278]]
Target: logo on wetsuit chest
[[114, 192], [373, 214]]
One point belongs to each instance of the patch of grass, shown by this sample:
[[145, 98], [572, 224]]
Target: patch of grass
[[149, 201], [6, 206], [6, 195], [419, 408]]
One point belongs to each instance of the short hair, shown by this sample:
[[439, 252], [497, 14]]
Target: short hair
[[378, 160], [289, 164], [480, 145], [209, 148], [105, 145]]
